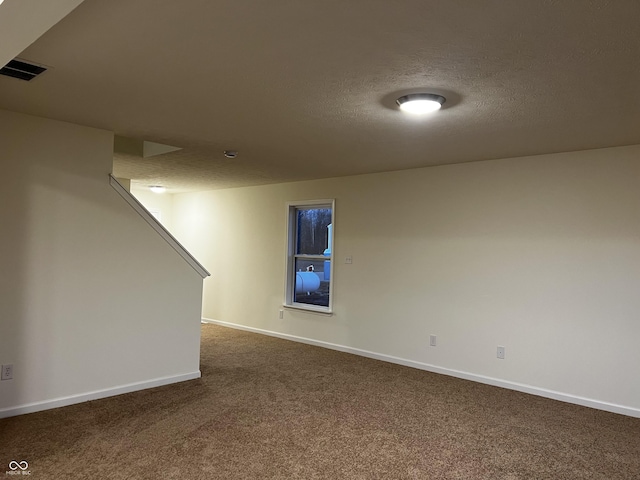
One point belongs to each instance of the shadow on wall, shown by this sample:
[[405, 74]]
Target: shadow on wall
[[85, 276], [47, 192], [14, 210]]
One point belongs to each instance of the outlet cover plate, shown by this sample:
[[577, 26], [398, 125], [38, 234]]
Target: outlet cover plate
[[7, 372]]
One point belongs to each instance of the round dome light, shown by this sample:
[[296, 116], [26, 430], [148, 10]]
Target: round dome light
[[419, 103], [157, 189]]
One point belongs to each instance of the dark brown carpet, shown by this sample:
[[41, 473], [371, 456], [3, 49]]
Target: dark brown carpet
[[270, 408]]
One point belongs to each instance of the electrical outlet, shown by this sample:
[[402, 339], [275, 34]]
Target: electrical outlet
[[281, 314], [7, 372], [348, 260], [432, 340], [500, 353]]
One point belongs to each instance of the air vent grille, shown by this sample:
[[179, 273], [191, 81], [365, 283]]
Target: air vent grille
[[22, 70]]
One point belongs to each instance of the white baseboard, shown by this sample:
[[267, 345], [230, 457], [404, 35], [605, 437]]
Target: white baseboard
[[496, 382], [95, 395]]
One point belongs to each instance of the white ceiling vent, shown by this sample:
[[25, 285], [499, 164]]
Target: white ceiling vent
[[22, 70]]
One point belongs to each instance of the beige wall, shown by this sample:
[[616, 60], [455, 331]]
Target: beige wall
[[92, 301], [24, 21], [540, 255], [161, 202]]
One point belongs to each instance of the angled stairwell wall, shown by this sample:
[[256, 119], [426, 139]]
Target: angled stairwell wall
[[93, 302]]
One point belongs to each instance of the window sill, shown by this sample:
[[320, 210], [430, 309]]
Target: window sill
[[328, 313]]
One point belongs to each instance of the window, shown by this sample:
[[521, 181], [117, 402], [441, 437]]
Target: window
[[310, 239]]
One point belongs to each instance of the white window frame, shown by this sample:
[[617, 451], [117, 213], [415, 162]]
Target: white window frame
[[291, 256]]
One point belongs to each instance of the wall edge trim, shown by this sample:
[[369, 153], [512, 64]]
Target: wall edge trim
[[496, 382], [95, 395], [158, 227]]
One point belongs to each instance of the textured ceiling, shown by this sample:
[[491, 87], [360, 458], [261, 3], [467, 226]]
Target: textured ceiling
[[306, 89]]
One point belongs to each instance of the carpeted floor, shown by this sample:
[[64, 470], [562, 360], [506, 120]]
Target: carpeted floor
[[267, 408]]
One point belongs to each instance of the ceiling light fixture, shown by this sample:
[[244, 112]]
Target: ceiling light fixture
[[157, 189], [230, 153], [419, 103]]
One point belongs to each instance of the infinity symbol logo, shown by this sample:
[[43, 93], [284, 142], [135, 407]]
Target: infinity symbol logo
[[23, 465]]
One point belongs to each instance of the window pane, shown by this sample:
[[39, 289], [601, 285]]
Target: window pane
[[312, 279], [313, 235]]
